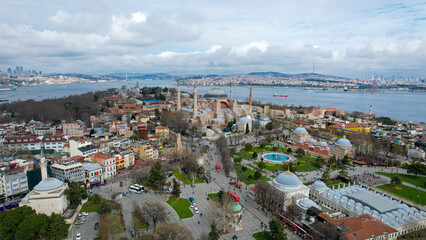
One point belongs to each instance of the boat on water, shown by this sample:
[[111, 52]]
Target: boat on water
[[277, 95], [7, 88], [3, 100]]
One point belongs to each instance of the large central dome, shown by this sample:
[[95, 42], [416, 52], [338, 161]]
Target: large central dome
[[287, 180], [48, 184], [215, 93]]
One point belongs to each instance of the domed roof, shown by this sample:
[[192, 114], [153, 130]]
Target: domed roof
[[234, 207], [215, 93], [244, 120], [48, 184], [311, 140], [344, 142], [300, 130], [288, 180], [307, 203], [320, 185], [323, 144], [264, 118]]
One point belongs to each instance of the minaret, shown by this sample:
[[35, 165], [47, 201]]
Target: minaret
[[43, 165], [250, 99], [178, 97], [195, 102], [230, 93], [371, 109]]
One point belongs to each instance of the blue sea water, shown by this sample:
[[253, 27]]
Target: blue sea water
[[402, 106]]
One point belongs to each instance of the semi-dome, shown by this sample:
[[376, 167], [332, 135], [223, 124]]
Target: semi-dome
[[215, 93], [319, 185], [311, 140], [288, 180], [244, 120], [48, 184], [264, 118], [300, 130], [344, 142], [307, 203]]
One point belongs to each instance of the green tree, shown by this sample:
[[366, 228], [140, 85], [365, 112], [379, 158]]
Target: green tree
[[325, 175], [332, 161], [396, 180], [300, 152], [134, 138], [276, 231], [275, 148], [247, 129], [262, 165], [29, 228], [157, 176], [269, 126], [255, 155], [321, 161], [213, 234], [96, 199], [249, 147], [75, 193], [13, 218], [343, 173], [289, 150], [257, 174], [345, 159], [58, 228], [244, 168], [104, 208], [220, 195], [176, 188], [262, 145]]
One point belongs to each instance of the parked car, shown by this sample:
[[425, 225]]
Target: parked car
[[84, 214], [196, 210], [96, 225], [78, 236], [191, 199]]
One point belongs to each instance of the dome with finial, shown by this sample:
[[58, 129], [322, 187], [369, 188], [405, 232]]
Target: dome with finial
[[287, 180], [300, 130], [216, 93], [344, 142]]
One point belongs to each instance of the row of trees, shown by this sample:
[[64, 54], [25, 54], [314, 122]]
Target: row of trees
[[24, 223], [227, 163]]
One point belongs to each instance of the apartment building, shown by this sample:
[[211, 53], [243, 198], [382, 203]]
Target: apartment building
[[73, 129], [15, 182], [107, 162], [69, 170]]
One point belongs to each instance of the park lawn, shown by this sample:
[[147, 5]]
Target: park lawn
[[212, 196], [114, 223], [184, 177], [406, 192], [272, 166], [90, 206], [303, 164], [249, 172], [181, 206], [330, 182], [140, 222], [260, 236], [413, 179]]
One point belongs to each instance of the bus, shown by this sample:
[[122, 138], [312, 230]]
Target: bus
[[136, 189], [218, 166]]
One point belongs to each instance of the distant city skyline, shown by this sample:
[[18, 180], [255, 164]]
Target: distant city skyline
[[341, 38]]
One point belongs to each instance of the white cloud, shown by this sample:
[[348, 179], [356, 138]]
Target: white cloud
[[214, 36]]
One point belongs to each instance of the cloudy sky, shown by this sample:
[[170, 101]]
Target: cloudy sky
[[347, 38]]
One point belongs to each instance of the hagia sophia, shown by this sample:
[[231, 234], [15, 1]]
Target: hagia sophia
[[215, 109]]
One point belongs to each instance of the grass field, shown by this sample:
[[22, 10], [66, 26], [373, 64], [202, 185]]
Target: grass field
[[248, 173], [90, 206], [141, 223], [246, 154], [406, 192], [302, 164], [413, 179], [272, 166], [212, 196], [260, 236], [181, 206], [184, 177]]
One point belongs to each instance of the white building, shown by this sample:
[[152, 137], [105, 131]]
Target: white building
[[22, 143], [108, 163], [70, 170], [48, 196], [15, 181], [44, 130], [55, 142], [77, 145], [92, 172]]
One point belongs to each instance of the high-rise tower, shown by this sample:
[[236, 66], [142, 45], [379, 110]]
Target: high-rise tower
[[250, 99]]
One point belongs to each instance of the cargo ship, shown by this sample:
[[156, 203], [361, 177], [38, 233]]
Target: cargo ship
[[277, 95]]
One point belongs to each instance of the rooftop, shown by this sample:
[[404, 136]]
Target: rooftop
[[373, 200]]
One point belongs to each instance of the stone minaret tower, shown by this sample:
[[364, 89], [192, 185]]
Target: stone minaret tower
[[43, 165], [195, 102], [178, 97], [371, 109], [230, 93], [250, 99]]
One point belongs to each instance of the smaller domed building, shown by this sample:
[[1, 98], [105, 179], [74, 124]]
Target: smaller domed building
[[343, 147], [299, 134]]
